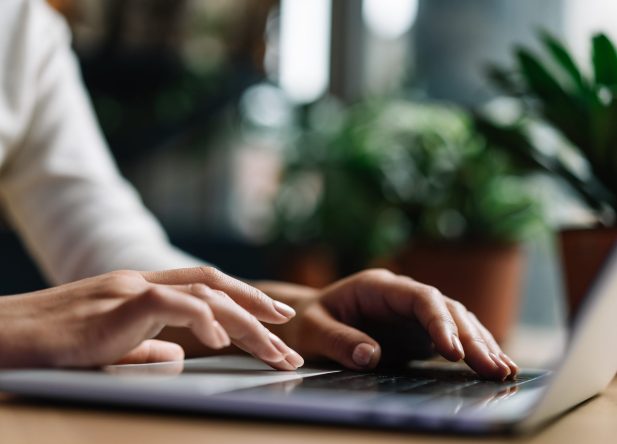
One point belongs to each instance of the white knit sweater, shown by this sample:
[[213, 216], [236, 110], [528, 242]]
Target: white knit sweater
[[59, 186]]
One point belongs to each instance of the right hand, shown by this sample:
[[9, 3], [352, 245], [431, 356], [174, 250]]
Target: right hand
[[111, 319]]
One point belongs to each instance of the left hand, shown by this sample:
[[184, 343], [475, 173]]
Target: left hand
[[376, 316], [113, 318]]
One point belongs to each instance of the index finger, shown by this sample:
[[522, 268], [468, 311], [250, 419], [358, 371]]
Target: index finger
[[411, 299], [248, 297]]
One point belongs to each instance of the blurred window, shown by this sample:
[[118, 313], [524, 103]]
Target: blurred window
[[305, 48]]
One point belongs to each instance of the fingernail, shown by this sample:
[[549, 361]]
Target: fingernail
[[513, 366], [499, 363], [456, 344], [295, 359], [223, 337], [284, 309], [362, 354]]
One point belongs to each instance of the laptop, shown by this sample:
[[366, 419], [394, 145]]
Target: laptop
[[428, 396]]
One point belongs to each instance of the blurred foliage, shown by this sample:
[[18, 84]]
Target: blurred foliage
[[162, 72], [367, 180], [580, 108]]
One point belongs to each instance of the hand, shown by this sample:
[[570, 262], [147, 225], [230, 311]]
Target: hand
[[378, 317], [111, 318]]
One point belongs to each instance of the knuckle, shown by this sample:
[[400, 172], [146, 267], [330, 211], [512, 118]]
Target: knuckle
[[472, 338], [473, 316], [256, 301], [224, 296], [490, 340], [206, 312], [442, 319], [378, 274], [210, 294], [220, 294], [124, 274], [431, 292], [210, 273], [121, 282], [408, 280], [253, 323], [154, 297], [199, 289], [456, 306], [251, 327]]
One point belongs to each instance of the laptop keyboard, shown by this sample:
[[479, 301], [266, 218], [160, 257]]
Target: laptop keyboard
[[434, 383], [413, 387]]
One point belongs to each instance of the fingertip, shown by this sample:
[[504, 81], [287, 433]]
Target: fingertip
[[171, 352], [284, 309], [282, 313], [449, 346], [295, 359], [504, 370], [153, 350], [444, 335], [291, 361], [283, 365], [485, 363], [514, 368], [457, 348], [223, 339], [276, 351], [365, 356]]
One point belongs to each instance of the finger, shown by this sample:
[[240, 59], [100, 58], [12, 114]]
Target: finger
[[478, 354], [413, 300], [250, 298], [144, 316], [292, 359], [495, 348], [339, 342], [153, 350], [244, 329]]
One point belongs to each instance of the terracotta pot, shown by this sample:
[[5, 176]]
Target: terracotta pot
[[487, 279], [583, 251]]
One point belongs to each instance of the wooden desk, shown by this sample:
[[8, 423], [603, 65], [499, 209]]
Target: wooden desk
[[25, 423]]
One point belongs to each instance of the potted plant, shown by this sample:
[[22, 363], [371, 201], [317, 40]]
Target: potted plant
[[415, 188], [581, 109]]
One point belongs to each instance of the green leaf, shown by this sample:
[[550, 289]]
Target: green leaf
[[518, 145], [538, 78], [503, 79], [569, 114], [604, 58], [565, 60], [512, 139], [604, 163]]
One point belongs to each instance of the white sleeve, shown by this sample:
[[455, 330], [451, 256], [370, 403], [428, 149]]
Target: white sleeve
[[59, 186]]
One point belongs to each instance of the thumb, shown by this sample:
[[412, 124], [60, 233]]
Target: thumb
[[153, 350], [346, 345]]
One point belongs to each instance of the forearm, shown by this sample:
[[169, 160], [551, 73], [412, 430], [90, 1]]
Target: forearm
[[59, 185]]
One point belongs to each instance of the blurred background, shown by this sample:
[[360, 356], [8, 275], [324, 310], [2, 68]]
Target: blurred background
[[260, 132]]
